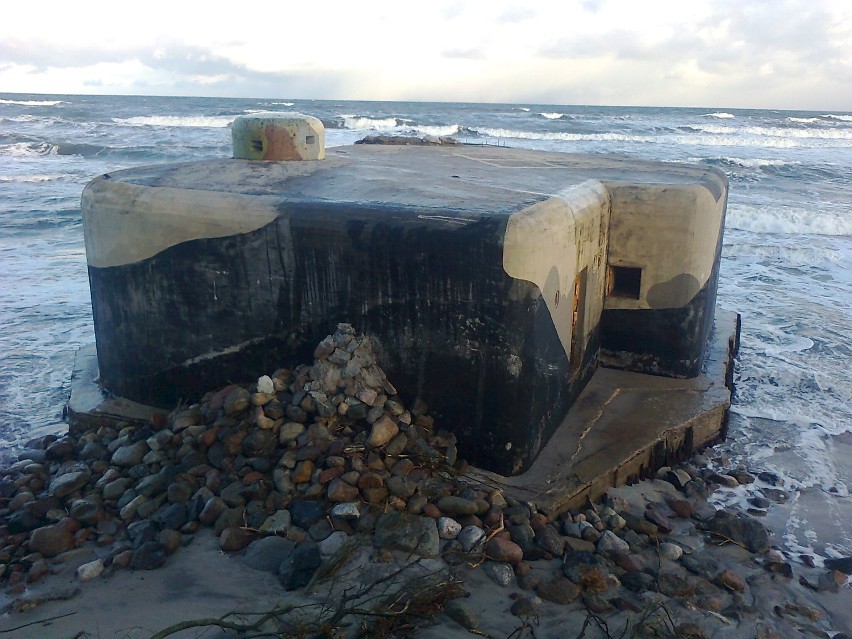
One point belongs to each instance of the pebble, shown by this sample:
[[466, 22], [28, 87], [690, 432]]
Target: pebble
[[50, 541], [843, 564], [558, 590], [500, 549], [610, 543], [448, 528], [384, 429], [501, 573], [127, 456], [332, 544], [731, 580], [524, 607], [456, 610], [470, 538], [90, 570], [670, 551], [550, 540], [265, 385], [277, 523]]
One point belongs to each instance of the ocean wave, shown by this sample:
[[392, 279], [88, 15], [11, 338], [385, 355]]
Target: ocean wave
[[527, 109], [24, 179], [26, 149], [363, 122], [552, 116], [287, 104], [746, 162], [20, 119], [788, 221], [176, 121], [804, 120], [437, 130], [32, 102], [720, 114], [779, 132], [84, 150], [833, 116], [560, 135]]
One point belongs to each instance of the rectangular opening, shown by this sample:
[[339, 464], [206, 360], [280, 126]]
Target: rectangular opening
[[257, 145], [625, 281], [310, 139]]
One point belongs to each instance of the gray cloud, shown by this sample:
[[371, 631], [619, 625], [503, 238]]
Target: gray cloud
[[799, 37]]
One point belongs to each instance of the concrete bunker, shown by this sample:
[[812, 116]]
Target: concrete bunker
[[494, 281]]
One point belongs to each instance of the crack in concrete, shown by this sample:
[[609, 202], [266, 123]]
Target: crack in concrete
[[592, 421]]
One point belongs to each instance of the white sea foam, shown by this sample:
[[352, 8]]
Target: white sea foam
[[32, 102], [552, 116], [21, 118], [788, 220], [437, 131], [779, 132], [177, 121], [288, 104], [359, 122], [524, 109], [22, 179], [720, 114], [804, 120], [833, 116], [752, 162], [27, 149], [561, 135]]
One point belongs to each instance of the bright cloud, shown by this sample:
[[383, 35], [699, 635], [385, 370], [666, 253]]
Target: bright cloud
[[779, 53]]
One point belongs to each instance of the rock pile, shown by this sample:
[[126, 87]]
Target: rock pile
[[409, 140], [290, 468]]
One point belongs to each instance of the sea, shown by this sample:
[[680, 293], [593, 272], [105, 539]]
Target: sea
[[786, 261]]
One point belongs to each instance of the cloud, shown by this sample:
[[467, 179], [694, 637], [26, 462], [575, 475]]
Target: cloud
[[778, 53], [471, 53], [515, 15], [592, 6]]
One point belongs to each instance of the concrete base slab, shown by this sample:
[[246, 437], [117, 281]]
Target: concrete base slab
[[90, 406], [623, 426], [626, 425]]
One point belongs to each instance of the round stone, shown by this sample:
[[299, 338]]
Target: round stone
[[470, 537], [448, 528], [91, 570]]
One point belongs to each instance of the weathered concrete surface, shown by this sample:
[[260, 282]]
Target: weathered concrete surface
[[90, 406], [626, 425], [278, 136], [484, 275]]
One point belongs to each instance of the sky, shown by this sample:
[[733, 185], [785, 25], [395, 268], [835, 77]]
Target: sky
[[783, 54]]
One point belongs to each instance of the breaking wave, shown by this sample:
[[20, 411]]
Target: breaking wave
[[788, 220], [24, 179], [176, 121], [361, 122], [32, 102], [747, 162], [720, 114]]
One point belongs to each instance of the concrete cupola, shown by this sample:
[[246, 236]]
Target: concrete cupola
[[278, 136]]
